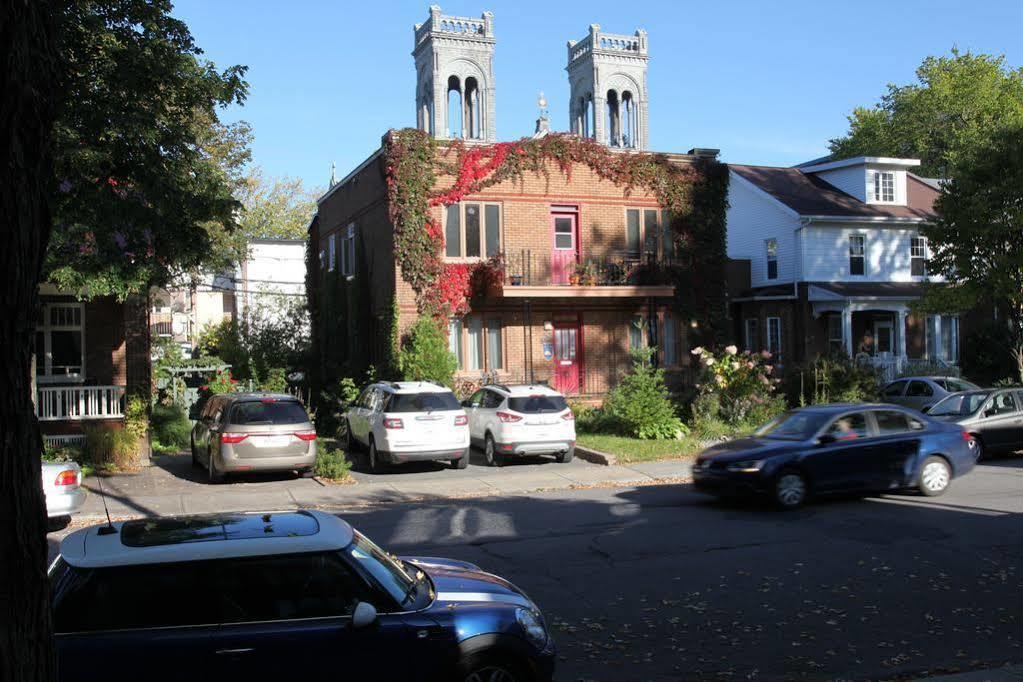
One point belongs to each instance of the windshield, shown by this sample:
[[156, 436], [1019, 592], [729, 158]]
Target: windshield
[[955, 385], [422, 402], [268, 411], [537, 404], [382, 569], [795, 425], [959, 405]]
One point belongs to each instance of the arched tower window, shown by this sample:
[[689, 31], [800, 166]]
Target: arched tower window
[[472, 109], [456, 127], [628, 116], [612, 120]]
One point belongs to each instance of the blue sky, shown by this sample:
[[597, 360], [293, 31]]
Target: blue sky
[[766, 82]]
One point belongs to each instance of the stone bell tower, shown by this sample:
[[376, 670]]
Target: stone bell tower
[[607, 82], [455, 76]]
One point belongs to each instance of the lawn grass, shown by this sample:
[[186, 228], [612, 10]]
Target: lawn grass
[[632, 450]]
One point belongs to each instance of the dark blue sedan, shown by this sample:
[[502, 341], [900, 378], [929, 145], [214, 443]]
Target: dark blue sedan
[[833, 449], [296, 595]]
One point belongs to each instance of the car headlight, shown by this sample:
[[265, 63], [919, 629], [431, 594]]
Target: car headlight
[[747, 466], [532, 627]]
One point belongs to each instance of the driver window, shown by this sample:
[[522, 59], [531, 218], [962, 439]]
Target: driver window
[[849, 427], [491, 400], [477, 399], [1002, 404], [364, 398], [894, 390], [919, 389]]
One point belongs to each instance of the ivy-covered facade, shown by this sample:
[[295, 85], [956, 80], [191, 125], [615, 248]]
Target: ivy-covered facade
[[545, 259]]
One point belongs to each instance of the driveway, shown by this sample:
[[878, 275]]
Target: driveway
[[173, 486]]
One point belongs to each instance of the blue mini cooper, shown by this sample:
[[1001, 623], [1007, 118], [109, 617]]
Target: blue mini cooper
[[295, 595]]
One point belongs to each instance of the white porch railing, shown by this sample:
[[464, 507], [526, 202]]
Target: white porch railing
[[77, 403], [891, 367]]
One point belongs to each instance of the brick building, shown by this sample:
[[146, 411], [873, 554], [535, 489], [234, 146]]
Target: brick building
[[89, 356], [588, 265]]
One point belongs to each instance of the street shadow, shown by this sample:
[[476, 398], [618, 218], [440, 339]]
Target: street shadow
[[180, 466], [360, 463]]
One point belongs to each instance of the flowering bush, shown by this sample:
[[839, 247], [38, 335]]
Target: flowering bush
[[737, 387], [223, 382]]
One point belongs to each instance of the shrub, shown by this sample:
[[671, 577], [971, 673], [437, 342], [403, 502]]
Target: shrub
[[640, 406], [331, 463], [112, 448], [136, 416], [741, 384], [171, 428], [591, 419], [425, 356], [275, 382], [834, 378]]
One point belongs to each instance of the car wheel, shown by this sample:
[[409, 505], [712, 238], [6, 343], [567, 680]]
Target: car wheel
[[567, 456], [195, 456], [374, 460], [214, 475], [490, 669], [979, 447], [462, 462], [344, 435], [307, 473], [490, 452], [790, 489], [935, 476]]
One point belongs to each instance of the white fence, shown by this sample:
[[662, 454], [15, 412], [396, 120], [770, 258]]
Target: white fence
[[891, 367], [77, 403]]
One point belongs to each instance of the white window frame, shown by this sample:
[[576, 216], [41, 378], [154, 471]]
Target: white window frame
[[862, 254], [880, 187], [933, 335], [331, 252], [44, 355], [775, 349], [483, 230], [751, 334], [771, 252], [918, 251], [461, 346], [348, 252]]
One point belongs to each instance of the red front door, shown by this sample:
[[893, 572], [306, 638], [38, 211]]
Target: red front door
[[566, 357], [565, 248]]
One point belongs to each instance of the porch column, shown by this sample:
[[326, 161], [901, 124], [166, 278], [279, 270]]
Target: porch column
[[901, 360], [847, 329]]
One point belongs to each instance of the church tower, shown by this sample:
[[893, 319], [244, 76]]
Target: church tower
[[455, 76], [607, 82]]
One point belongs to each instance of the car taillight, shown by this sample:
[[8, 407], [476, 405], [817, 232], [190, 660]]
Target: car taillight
[[67, 477], [461, 420], [232, 438], [508, 418], [568, 416], [393, 423], [305, 435]]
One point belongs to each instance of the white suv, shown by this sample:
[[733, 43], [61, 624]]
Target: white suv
[[408, 421], [507, 421]]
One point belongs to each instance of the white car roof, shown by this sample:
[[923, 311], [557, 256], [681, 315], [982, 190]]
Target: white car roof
[[206, 536], [413, 387], [519, 390]]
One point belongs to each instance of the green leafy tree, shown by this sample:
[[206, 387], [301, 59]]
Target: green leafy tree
[[639, 405], [976, 242], [957, 104], [425, 355], [278, 208], [107, 115]]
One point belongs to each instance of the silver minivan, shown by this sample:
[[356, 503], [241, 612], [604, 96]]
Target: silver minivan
[[238, 432]]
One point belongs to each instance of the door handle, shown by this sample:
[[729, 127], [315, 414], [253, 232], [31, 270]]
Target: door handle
[[231, 652]]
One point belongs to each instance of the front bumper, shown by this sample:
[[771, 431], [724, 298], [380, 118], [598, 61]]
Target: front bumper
[[547, 447], [728, 483], [398, 456], [65, 503]]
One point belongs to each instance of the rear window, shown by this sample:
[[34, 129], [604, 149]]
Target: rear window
[[537, 404], [269, 412], [422, 402]]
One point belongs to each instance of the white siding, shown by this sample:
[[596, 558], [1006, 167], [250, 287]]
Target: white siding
[[754, 217], [826, 254], [851, 180]]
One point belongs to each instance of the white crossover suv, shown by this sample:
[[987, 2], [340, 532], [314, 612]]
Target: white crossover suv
[[407, 421], [508, 421]]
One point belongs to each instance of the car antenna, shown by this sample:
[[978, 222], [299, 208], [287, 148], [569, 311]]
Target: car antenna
[[109, 528]]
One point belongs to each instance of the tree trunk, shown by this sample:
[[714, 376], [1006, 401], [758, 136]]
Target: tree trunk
[[29, 78]]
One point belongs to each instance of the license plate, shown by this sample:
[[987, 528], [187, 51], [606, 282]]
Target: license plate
[[270, 441]]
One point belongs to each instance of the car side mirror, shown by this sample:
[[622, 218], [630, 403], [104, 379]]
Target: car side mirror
[[825, 439], [365, 615], [466, 403], [926, 409]]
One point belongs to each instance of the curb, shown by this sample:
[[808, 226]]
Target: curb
[[595, 456]]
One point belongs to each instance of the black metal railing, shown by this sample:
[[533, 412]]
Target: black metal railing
[[526, 267]]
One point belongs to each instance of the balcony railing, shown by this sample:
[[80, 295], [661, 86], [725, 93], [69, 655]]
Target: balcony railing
[[530, 268], [78, 403]]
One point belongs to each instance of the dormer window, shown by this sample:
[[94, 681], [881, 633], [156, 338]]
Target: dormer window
[[884, 186]]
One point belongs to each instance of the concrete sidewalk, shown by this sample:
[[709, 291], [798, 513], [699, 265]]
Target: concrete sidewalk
[[173, 486]]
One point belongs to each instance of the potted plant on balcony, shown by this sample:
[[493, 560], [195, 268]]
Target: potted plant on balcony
[[583, 274]]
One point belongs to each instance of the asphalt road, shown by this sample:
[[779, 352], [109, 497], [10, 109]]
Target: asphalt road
[[661, 583]]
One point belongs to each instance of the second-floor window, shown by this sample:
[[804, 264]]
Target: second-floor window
[[348, 252], [472, 230], [918, 256], [648, 233], [771, 246], [884, 186], [331, 252], [857, 254]]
